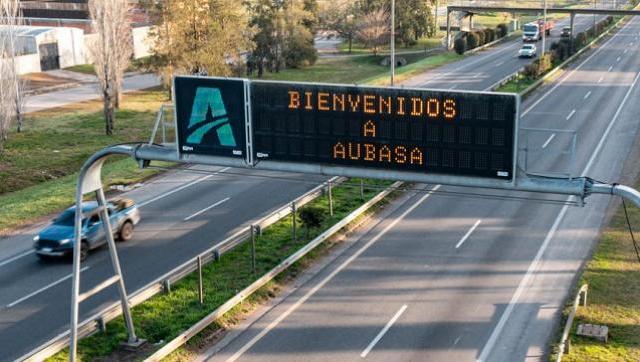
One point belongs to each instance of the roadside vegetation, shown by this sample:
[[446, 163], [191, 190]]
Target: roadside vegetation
[[163, 317], [38, 168], [559, 52], [613, 276]]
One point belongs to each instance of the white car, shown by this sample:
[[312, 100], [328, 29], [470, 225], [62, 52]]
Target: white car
[[528, 51]]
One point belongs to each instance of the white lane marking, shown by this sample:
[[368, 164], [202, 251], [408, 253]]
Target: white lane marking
[[499, 64], [549, 140], [625, 51], [383, 331], [206, 209], [43, 289], [16, 257], [603, 46], [618, 59], [181, 187], [328, 278], [534, 264], [466, 236], [456, 341], [611, 67], [480, 58], [477, 75], [453, 86], [571, 114], [601, 79], [587, 95]]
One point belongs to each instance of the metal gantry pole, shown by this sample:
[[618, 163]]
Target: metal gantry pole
[[75, 284], [126, 311], [393, 42], [448, 29]]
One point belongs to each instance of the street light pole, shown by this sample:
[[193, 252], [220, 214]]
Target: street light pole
[[393, 42], [544, 32]]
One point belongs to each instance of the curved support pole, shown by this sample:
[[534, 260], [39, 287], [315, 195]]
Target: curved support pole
[[623, 191], [89, 180]]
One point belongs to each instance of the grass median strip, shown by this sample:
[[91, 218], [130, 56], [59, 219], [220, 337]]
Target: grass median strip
[[613, 276], [163, 317]]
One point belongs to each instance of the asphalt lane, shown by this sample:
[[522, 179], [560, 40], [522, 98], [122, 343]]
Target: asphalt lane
[[164, 228], [35, 293], [497, 296]]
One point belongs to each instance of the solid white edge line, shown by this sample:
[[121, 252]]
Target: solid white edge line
[[206, 209], [43, 289], [466, 236], [16, 257], [571, 114], [328, 278], [549, 140], [534, 264], [182, 187], [382, 332]]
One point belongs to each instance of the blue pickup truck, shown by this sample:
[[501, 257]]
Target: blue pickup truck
[[56, 240]]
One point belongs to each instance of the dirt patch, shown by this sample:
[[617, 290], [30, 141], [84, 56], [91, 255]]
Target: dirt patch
[[36, 81]]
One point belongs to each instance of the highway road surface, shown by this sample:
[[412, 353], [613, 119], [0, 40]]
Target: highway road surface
[[33, 294], [460, 278], [177, 223]]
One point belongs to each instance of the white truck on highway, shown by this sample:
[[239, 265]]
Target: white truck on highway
[[532, 32]]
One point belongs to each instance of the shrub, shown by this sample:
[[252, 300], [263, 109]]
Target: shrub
[[472, 40], [538, 67], [460, 45], [490, 34], [312, 217], [580, 41], [481, 37], [502, 30]]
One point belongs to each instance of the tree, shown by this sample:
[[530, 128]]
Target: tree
[[460, 45], [373, 29], [283, 35], [111, 52], [414, 19], [10, 84], [341, 18], [199, 37]]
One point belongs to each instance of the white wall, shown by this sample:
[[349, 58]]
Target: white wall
[[142, 42], [28, 63], [70, 46]]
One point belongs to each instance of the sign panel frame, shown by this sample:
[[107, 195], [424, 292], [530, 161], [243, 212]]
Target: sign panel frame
[[251, 149]]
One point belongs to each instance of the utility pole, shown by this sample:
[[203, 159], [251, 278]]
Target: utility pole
[[595, 5], [393, 42], [544, 33]]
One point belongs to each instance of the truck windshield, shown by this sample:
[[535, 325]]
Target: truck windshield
[[530, 28]]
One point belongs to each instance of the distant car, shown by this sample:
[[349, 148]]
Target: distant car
[[527, 51], [57, 239], [566, 32]]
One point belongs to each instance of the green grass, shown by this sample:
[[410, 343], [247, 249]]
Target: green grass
[[164, 316], [83, 68], [613, 299], [424, 43], [516, 85], [38, 167]]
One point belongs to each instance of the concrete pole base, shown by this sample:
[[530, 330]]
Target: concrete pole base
[[133, 346]]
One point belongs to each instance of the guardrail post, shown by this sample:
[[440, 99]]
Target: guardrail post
[[216, 255], [330, 198], [253, 248], [166, 285], [200, 289], [362, 189], [583, 298], [100, 323], [294, 223]]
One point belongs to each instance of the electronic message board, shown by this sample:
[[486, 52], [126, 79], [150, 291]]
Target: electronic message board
[[210, 116], [428, 131]]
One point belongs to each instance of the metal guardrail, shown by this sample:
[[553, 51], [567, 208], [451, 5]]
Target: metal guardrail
[[242, 295], [580, 299], [98, 321]]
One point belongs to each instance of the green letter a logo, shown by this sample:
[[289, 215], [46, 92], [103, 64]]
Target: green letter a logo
[[208, 113]]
